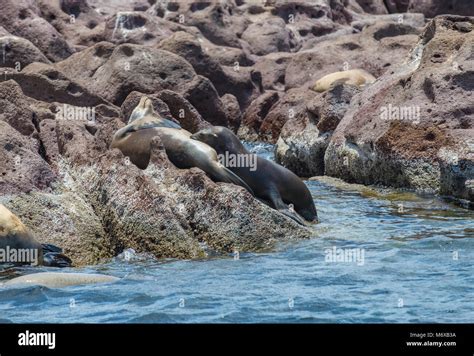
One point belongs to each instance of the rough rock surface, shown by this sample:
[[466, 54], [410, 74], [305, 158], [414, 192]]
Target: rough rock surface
[[23, 18], [243, 64], [304, 139]]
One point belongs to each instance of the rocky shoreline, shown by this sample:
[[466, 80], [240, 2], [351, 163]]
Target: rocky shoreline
[[72, 71]]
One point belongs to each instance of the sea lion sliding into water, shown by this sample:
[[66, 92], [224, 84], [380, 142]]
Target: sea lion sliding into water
[[270, 182], [134, 140], [16, 239]]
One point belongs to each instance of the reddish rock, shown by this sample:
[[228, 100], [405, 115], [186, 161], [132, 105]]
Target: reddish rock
[[376, 49], [22, 18], [216, 20], [432, 8], [18, 52], [304, 139], [113, 73], [232, 110], [182, 111], [45, 83], [23, 169], [15, 108], [234, 80], [291, 105], [204, 97], [413, 128], [255, 114], [268, 36]]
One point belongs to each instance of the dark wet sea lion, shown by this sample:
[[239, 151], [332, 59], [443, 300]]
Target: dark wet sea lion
[[270, 182], [15, 236], [134, 140]]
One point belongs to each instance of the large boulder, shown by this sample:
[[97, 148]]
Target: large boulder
[[164, 210], [432, 8], [114, 72], [226, 80], [218, 21], [414, 128], [45, 83], [271, 115], [138, 27], [268, 36], [304, 139], [22, 169], [182, 110], [255, 114], [76, 20], [19, 52], [22, 18]]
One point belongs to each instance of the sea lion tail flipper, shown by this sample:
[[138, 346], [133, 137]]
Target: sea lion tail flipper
[[293, 215], [170, 123], [223, 174], [278, 204]]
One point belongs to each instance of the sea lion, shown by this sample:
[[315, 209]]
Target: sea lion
[[358, 77], [15, 239], [58, 280], [134, 140], [270, 182]]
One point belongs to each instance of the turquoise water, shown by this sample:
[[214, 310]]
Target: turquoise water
[[417, 266]]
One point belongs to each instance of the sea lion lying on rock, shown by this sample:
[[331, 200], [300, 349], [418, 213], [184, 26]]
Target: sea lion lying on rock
[[134, 140], [358, 77], [18, 246], [271, 183]]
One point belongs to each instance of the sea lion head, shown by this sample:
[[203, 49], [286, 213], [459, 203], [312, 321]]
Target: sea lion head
[[218, 137], [144, 108]]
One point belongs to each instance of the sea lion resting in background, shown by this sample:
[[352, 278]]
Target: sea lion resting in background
[[358, 77], [14, 236], [134, 140], [270, 182]]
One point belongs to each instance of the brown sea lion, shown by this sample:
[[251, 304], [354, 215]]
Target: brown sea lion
[[134, 140]]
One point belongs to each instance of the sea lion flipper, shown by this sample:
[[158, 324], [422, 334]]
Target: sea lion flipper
[[152, 124], [56, 259], [53, 257], [292, 215]]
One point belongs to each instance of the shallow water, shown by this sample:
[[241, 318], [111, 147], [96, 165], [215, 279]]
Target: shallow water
[[417, 266]]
